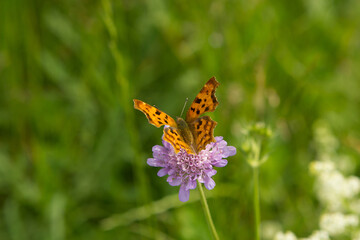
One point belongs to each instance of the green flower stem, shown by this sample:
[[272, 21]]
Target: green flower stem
[[207, 211], [256, 202]]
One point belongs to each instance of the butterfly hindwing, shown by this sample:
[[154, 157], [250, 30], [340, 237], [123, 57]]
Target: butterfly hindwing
[[203, 131], [155, 116], [204, 102], [173, 136]]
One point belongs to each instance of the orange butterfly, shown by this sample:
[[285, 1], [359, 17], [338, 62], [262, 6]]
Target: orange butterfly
[[193, 133]]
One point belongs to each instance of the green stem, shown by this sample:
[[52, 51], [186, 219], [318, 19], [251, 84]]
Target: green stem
[[256, 203], [207, 212]]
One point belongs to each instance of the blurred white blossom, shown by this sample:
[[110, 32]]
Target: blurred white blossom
[[285, 236], [318, 235], [320, 167], [269, 229], [332, 188], [338, 194], [337, 223]]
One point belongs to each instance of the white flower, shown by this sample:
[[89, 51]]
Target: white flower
[[319, 167], [332, 187], [285, 236], [269, 229], [336, 192], [337, 223], [318, 235], [353, 188]]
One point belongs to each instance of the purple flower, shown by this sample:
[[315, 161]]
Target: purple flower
[[184, 168]]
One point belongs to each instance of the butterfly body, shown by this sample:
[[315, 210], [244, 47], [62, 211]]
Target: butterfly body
[[192, 133], [185, 132]]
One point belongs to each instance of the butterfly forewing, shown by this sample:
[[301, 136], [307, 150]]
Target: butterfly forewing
[[203, 132], [173, 136], [204, 102], [155, 116]]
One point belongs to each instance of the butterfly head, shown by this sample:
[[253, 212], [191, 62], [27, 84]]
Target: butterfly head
[[181, 123]]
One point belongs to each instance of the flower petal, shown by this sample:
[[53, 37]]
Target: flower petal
[[155, 162], [221, 163], [162, 172], [174, 181], [229, 151], [184, 194], [209, 183], [158, 148], [210, 172], [191, 185], [221, 143], [218, 138]]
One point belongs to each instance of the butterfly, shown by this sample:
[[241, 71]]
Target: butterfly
[[192, 133]]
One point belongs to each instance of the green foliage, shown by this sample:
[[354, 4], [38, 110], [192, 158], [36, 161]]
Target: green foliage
[[73, 150]]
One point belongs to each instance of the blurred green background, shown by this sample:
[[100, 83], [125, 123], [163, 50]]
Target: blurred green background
[[73, 150]]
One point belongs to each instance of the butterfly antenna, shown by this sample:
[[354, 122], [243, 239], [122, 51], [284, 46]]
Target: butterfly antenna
[[182, 111]]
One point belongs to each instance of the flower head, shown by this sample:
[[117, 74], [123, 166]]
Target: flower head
[[185, 169]]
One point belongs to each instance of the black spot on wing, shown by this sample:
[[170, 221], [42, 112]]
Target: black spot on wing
[[192, 109], [197, 100], [173, 132], [206, 109], [198, 111], [213, 98], [158, 112], [198, 126], [148, 116]]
